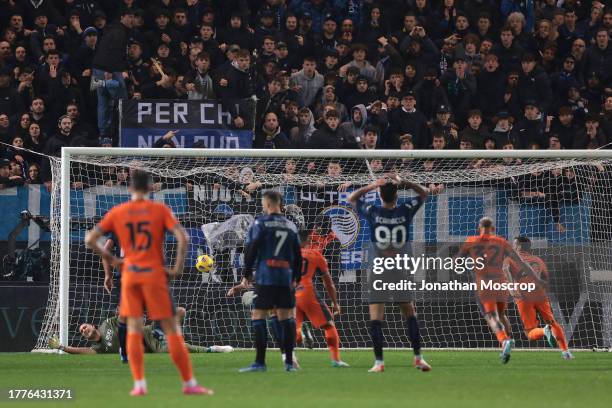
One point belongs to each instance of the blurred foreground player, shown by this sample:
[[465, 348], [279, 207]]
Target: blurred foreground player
[[531, 304], [140, 226], [389, 225], [489, 251], [310, 305]]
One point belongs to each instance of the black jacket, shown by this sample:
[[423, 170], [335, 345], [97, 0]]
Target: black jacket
[[111, 55], [326, 138]]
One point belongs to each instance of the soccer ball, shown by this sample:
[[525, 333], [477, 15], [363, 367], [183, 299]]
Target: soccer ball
[[204, 263]]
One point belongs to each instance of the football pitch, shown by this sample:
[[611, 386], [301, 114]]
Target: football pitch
[[458, 379]]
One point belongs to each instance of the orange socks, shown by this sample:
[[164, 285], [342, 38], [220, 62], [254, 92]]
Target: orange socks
[[501, 336], [535, 334], [559, 335], [135, 351], [179, 355], [333, 342]]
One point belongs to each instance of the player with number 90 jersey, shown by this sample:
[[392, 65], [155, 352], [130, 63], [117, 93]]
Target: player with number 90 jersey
[[390, 225]]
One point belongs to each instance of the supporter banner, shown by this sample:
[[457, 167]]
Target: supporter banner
[[143, 122], [13, 201]]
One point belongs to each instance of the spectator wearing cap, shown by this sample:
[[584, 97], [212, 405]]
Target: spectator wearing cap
[[270, 134], [316, 10], [82, 60], [475, 131], [328, 38], [330, 135], [266, 27], [442, 124], [502, 132], [236, 33], [198, 82], [568, 75], [598, 57], [534, 83], [460, 86], [110, 64], [307, 82], [490, 87], [359, 61], [430, 94], [285, 61], [591, 136], [408, 119], [99, 21], [43, 30], [162, 32], [530, 129]]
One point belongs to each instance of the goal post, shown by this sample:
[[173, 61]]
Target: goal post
[[560, 199]]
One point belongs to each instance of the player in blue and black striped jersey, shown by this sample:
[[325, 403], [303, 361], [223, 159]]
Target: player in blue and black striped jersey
[[389, 227], [112, 277], [273, 249]]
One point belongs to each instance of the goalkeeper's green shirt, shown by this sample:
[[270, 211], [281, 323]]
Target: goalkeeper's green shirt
[[109, 338]]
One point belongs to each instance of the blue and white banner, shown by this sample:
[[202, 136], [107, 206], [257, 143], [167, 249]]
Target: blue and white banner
[[13, 201], [143, 122]]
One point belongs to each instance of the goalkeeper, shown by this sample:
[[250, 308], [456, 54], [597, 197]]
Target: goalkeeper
[[106, 339]]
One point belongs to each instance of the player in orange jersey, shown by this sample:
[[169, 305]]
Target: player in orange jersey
[[532, 303], [140, 226], [489, 251], [310, 305]]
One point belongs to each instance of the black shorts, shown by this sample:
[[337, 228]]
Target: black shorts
[[272, 296]]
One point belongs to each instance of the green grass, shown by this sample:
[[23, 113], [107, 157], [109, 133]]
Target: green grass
[[458, 379]]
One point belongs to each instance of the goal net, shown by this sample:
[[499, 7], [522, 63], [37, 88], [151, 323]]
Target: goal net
[[560, 200]]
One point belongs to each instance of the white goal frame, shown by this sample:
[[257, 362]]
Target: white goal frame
[[69, 152]]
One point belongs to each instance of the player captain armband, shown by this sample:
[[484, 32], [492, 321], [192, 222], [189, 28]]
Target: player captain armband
[[277, 263]]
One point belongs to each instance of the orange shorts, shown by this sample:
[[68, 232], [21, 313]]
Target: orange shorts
[[309, 304], [155, 297], [528, 310], [492, 306]]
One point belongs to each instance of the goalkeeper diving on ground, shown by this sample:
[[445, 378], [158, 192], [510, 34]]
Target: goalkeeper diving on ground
[[105, 339]]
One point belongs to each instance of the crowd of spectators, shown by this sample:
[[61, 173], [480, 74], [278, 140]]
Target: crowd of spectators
[[328, 74]]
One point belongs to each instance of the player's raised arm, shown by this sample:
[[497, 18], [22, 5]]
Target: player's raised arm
[[421, 190], [108, 268], [357, 194], [91, 241]]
